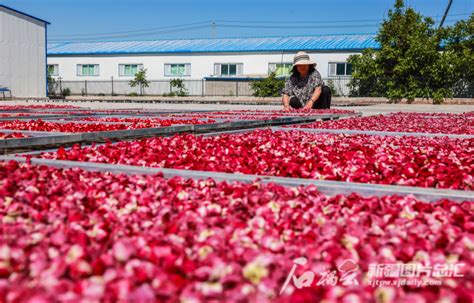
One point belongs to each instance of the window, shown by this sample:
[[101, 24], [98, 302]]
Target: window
[[88, 69], [178, 69], [53, 69], [340, 69], [233, 69], [280, 69], [129, 70]]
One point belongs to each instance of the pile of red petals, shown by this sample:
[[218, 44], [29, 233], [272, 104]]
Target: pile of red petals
[[405, 122], [151, 121], [46, 126], [77, 112], [76, 236], [226, 117], [293, 112], [45, 106], [71, 127], [262, 114], [414, 161], [4, 136]]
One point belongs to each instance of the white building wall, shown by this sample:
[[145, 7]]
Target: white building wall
[[22, 54], [202, 65]]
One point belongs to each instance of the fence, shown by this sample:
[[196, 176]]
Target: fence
[[199, 87], [339, 85], [464, 89], [207, 87]]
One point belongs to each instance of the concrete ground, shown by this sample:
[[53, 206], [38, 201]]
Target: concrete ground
[[366, 110]]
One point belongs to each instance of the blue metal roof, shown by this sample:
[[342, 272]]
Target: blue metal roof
[[24, 14], [348, 42]]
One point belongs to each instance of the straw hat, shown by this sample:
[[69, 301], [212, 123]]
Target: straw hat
[[302, 58]]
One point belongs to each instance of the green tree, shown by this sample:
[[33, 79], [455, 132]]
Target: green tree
[[459, 48], [178, 84], [366, 78], [141, 81], [52, 85], [410, 62], [271, 86], [332, 87]]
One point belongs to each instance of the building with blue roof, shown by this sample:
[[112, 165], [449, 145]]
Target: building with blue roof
[[196, 59], [22, 53]]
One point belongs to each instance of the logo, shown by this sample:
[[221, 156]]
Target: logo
[[397, 274], [346, 274]]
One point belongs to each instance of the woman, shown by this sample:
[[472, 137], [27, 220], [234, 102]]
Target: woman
[[304, 88]]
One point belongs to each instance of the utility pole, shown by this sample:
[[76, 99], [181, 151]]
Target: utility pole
[[213, 29], [446, 13]]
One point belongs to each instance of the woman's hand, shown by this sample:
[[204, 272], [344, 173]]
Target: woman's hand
[[314, 98], [309, 104], [286, 102]]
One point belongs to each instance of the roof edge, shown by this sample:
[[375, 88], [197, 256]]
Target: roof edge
[[202, 38], [24, 14], [123, 53]]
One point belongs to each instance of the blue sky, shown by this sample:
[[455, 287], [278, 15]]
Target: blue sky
[[103, 19]]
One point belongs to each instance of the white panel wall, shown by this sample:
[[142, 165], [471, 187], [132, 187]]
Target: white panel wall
[[22, 54], [202, 65]]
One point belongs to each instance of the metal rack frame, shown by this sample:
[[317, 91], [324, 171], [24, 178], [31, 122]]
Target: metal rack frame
[[374, 133], [329, 188]]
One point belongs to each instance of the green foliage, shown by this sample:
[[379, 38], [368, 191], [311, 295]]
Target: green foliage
[[180, 89], [132, 95], [268, 87], [141, 81], [332, 87], [459, 48], [52, 85], [66, 92], [410, 63], [366, 76]]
